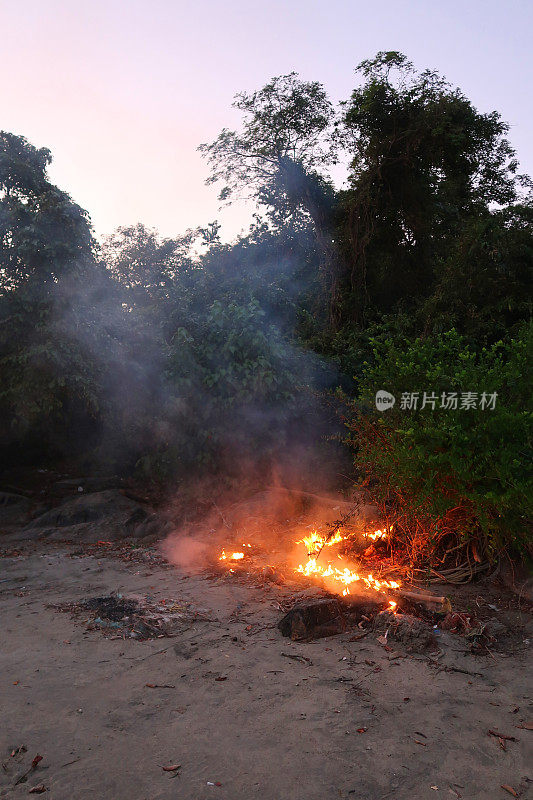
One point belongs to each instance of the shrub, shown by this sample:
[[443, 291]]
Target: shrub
[[450, 477]]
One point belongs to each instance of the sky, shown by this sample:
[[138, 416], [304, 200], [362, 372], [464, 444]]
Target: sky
[[123, 91]]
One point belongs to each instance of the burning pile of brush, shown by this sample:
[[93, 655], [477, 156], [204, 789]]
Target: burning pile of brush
[[340, 575], [336, 572]]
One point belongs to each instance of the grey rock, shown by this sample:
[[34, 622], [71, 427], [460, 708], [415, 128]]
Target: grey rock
[[96, 516]]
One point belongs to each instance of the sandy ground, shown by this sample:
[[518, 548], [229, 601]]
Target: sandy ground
[[354, 721]]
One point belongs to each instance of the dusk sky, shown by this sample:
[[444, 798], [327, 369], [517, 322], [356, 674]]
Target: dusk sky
[[123, 91]]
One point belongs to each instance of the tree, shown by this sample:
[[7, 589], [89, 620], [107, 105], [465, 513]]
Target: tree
[[53, 341], [279, 156], [43, 233], [423, 160]]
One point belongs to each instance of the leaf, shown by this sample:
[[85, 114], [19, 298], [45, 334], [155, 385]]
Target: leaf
[[172, 768], [509, 789], [39, 789], [527, 726], [36, 761]]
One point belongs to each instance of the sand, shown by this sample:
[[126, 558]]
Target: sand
[[354, 720]]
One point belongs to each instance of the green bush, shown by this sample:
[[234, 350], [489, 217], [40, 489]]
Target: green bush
[[464, 472]]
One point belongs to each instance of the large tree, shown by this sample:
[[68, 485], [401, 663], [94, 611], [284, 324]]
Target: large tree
[[423, 161], [43, 233], [279, 158]]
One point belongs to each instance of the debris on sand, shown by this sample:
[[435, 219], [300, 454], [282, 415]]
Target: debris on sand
[[414, 634], [132, 618]]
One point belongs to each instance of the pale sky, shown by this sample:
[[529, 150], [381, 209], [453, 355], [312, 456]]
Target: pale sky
[[123, 91]]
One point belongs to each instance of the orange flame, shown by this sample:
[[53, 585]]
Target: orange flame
[[233, 556], [316, 541], [344, 575], [376, 535], [339, 577]]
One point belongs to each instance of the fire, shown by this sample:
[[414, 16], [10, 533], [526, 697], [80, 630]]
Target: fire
[[339, 576], [376, 535], [233, 556], [344, 575], [316, 541]]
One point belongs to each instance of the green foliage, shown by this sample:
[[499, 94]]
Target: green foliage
[[43, 234], [423, 162], [50, 395], [471, 465], [285, 124], [484, 287]]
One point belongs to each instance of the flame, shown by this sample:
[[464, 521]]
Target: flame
[[345, 575], [233, 556], [316, 541], [376, 535], [339, 577], [379, 534]]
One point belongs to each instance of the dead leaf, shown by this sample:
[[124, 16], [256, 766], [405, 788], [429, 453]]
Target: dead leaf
[[509, 789], [362, 730], [527, 726], [39, 789], [222, 678], [172, 768], [36, 761]]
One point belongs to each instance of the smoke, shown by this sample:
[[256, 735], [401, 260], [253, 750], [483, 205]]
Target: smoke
[[190, 554], [173, 366], [272, 520]]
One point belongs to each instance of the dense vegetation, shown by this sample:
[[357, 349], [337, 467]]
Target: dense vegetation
[[177, 358]]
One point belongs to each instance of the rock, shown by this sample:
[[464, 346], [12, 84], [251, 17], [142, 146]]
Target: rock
[[13, 508], [325, 617], [313, 620], [95, 517]]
